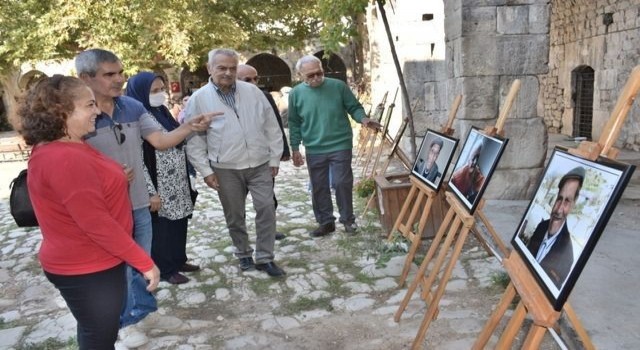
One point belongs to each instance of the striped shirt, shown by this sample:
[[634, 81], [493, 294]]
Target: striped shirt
[[228, 98]]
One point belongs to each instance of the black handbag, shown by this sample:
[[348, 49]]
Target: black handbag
[[20, 203], [194, 195]]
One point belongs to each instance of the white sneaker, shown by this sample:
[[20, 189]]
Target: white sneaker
[[132, 337], [158, 321]]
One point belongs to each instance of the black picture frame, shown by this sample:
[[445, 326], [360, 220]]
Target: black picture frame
[[486, 150], [603, 183], [447, 147]]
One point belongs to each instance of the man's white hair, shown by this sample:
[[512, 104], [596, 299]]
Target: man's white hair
[[307, 59], [226, 52]]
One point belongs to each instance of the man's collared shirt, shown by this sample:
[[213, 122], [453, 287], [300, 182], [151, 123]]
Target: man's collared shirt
[[229, 98], [547, 243]]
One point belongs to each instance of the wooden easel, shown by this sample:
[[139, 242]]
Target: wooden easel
[[532, 298], [373, 138], [395, 146], [394, 150], [455, 227], [420, 199], [363, 138]]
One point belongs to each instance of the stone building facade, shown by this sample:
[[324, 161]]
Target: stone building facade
[[594, 45], [573, 58], [477, 49]]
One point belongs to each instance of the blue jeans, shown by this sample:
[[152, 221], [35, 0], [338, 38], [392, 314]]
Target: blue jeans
[[337, 167], [139, 301]]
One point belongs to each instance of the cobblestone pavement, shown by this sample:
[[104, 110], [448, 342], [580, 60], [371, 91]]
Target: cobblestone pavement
[[340, 292]]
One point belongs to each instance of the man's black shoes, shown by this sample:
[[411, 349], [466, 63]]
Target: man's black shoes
[[271, 269], [186, 267], [279, 236], [247, 263], [323, 230]]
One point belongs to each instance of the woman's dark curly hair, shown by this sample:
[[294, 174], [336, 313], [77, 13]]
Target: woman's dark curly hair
[[43, 112]]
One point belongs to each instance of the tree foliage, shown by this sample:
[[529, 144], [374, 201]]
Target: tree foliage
[[180, 32], [144, 32], [176, 32], [339, 19]]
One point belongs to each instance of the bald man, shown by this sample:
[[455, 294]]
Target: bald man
[[249, 74]]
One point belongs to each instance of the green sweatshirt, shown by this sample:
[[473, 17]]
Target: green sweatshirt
[[318, 117]]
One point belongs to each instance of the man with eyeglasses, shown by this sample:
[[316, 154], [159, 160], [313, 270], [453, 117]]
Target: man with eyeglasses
[[120, 127], [318, 118], [239, 154], [249, 74]]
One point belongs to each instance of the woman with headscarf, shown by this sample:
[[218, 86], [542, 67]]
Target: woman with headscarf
[[171, 201]]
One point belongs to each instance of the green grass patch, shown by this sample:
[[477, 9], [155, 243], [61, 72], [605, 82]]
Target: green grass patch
[[297, 263], [7, 325], [366, 279], [336, 287], [342, 263], [500, 279], [210, 289], [51, 344], [262, 286], [305, 304]]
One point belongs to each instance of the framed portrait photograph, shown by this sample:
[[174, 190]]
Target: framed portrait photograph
[[565, 218], [433, 158], [476, 163]]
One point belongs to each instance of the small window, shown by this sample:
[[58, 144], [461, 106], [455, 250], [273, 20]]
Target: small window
[[583, 78]]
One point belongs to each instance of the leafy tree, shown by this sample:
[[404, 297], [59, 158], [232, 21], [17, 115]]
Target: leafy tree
[[145, 33]]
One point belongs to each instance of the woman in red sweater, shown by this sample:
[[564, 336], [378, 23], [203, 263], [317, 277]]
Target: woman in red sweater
[[81, 202]]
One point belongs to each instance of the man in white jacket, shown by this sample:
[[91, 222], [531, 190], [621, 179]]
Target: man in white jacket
[[239, 153]]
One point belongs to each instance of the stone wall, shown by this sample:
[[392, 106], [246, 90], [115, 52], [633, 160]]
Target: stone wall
[[491, 43], [421, 51], [480, 48], [601, 34]]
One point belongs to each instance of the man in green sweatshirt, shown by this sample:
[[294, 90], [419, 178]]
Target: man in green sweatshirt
[[318, 118]]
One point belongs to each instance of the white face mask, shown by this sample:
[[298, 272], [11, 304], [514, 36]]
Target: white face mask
[[158, 99]]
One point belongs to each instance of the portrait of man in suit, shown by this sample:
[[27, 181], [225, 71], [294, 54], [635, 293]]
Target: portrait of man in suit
[[550, 243], [428, 168]]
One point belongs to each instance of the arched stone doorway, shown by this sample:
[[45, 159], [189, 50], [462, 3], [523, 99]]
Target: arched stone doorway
[[334, 67], [583, 80], [274, 73], [192, 81]]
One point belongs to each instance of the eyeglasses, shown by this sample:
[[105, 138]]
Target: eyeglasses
[[314, 75], [250, 79], [117, 132]]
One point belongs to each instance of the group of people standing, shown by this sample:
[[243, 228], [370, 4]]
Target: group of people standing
[[109, 179]]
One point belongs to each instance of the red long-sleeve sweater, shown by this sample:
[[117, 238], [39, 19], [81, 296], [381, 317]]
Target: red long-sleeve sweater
[[80, 199]]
